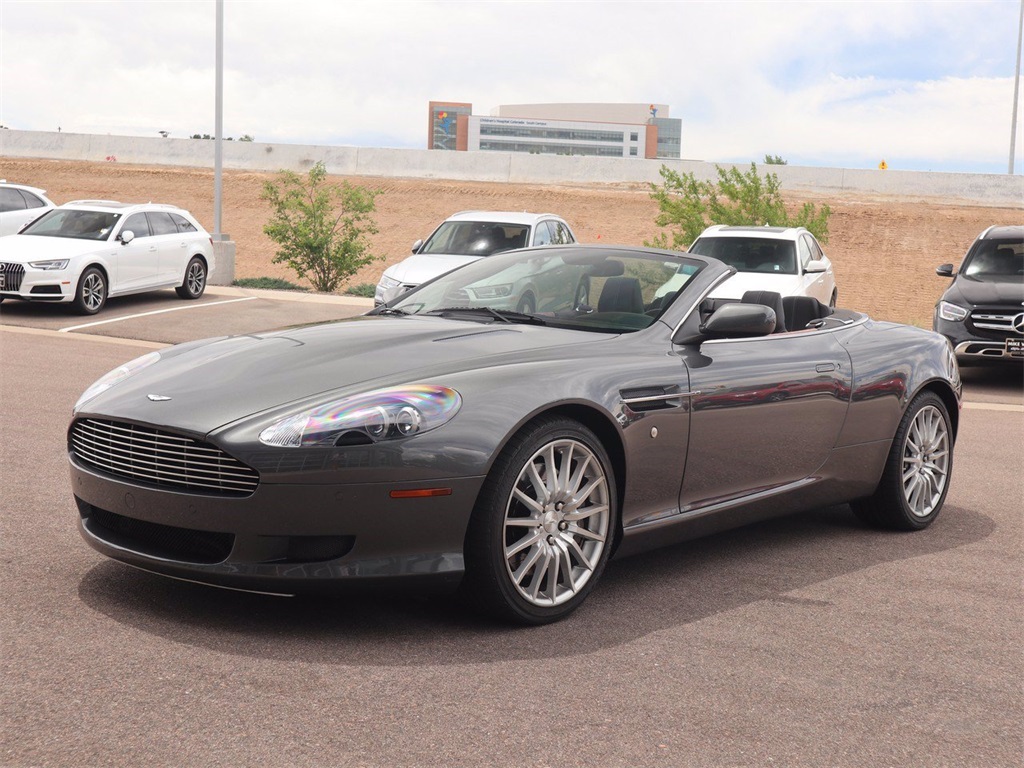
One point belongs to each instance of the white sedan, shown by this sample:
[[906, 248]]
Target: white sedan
[[19, 205], [786, 260], [87, 250]]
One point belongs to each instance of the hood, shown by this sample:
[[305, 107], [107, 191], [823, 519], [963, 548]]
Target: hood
[[978, 292], [25, 248], [741, 282], [214, 383], [421, 267]]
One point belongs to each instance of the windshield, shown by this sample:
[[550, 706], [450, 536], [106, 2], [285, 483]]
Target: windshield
[[750, 254], [476, 238], [996, 261], [594, 289], [65, 222]]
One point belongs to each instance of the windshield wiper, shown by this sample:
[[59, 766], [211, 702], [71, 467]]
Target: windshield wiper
[[505, 316], [389, 311]]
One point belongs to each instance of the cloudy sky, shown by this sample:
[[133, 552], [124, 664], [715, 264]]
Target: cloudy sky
[[922, 85]]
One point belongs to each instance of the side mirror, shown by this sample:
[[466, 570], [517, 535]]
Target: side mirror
[[416, 246], [816, 265], [944, 270], [739, 320], [126, 237]]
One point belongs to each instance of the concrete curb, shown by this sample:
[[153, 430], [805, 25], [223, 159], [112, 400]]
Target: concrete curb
[[299, 296]]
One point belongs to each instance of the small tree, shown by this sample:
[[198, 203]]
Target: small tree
[[325, 243], [687, 206], [775, 160]]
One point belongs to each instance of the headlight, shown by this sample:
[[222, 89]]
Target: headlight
[[387, 282], [116, 376], [492, 291], [387, 414], [952, 312], [53, 264]]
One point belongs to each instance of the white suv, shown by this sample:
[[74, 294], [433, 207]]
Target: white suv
[[786, 260], [466, 237], [19, 205], [87, 250]]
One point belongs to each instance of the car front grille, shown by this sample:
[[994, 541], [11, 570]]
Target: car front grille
[[13, 275], [156, 458], [996, 323]]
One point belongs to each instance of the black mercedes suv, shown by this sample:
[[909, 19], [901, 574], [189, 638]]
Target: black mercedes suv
[[982, 311]]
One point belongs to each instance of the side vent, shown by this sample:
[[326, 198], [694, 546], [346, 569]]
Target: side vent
[[644, 399]]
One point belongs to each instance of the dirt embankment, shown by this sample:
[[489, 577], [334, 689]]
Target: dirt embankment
[[884, 250]]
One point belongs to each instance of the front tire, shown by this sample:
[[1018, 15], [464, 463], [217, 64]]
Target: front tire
[[915, 481], [544, 525], [194, 284], [527, 304], [91, 294]]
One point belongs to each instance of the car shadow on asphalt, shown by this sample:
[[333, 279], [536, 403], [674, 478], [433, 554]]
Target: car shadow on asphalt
[[638, 595]]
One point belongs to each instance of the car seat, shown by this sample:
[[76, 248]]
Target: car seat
[[621, 294], [773, 301]]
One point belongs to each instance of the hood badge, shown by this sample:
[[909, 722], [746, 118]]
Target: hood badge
[[158, 398]]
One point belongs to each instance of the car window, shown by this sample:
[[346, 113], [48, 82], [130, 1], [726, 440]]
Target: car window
[[816, 252], [750, 254], [996, 261], [804, 250], [475, 238], [10, 200], [161, 223], [605, 292], [543, 234], [64, 222], [137, 225], [183, 224], [561, 234]]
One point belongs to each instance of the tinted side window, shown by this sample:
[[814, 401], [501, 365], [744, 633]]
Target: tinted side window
[[804, 250], [183, 224], [543, 235], [162, 223], [562, 235], [31, 201], [137, 224], [10, 200], [816, 252]]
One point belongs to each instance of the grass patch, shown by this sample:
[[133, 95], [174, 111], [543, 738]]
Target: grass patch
[[268, 283], [366, 290]]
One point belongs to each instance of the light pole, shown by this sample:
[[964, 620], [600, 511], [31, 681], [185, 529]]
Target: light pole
[[219, 122], [1016, 88]]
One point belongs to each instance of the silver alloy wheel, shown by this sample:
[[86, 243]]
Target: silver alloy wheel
[[195, 279], [93, 291], [925, 461], [556, 523]]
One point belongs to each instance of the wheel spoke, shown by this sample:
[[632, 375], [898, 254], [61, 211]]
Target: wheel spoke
[[581, 557], [540, 574], [523, 543], [528, 501], [573, 485], [564, 567], [583, 514], [527, 564], [587, 533]]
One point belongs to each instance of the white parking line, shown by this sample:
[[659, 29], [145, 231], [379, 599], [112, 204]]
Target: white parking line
[[154, 312], [994, 407]]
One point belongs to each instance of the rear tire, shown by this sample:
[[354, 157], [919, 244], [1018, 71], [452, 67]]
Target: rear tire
[[91, 294], [194, 284], [832, 301], [544, 524], [915, 481]]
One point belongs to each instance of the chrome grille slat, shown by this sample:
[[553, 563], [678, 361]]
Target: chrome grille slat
[[132, 465], [160, 458], [201, 460], [13, 275]]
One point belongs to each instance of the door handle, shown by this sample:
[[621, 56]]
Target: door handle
[[825, 367]]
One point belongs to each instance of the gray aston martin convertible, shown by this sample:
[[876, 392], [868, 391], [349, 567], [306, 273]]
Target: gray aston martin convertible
[[447, 439]]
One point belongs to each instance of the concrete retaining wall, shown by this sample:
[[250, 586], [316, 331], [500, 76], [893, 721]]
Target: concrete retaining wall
[[988, 189]]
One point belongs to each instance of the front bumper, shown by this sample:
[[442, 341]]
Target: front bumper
[[971, 346], [20, 281], [284, 539]]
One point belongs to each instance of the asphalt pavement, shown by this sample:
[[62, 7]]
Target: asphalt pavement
[[809, 640]]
